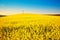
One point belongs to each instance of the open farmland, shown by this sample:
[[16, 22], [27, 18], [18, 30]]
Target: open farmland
[[30, 27]]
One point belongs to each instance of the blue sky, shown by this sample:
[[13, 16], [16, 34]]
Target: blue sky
[[33, 6]]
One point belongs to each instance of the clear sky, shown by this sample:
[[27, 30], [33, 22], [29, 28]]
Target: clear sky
[[30, 6]]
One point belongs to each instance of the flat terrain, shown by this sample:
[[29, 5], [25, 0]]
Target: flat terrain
[[30, 27], [24, 18]]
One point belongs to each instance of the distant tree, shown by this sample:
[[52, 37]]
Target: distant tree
[[2, 15]]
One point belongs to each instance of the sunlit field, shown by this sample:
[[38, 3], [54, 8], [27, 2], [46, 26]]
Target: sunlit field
[[30, 27]]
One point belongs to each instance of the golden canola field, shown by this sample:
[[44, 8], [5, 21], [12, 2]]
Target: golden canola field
[[30, 27]]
